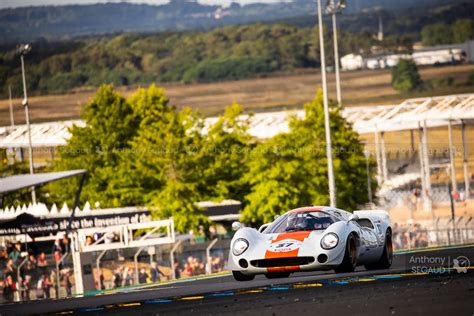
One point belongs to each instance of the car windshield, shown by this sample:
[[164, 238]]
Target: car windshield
[[301, 221]]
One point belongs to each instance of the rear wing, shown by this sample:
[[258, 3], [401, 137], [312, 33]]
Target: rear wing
[[374, 215]]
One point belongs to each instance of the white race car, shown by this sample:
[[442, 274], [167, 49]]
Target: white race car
[[312, 238]]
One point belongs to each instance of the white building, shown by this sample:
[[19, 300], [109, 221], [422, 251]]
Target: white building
[[442, 54], [352, 62]]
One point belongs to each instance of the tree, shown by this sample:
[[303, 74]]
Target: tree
[[173, 164], [97, 147], [436, 34], [155, 171], [222, 157], [142, 151], [405, 76], [290, 170], [463, 30]]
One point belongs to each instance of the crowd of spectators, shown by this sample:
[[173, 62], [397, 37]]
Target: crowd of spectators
[[24, 270], [27, 272], [124, 275], [409, 236]]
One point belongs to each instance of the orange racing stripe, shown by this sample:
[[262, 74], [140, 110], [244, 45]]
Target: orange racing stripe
[[300, 236]]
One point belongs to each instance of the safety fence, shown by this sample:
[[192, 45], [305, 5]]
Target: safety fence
[[183, 259], [114, 268]]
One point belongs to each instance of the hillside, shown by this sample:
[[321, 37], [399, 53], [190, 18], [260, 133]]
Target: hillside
[[224, 53], [64, 22]]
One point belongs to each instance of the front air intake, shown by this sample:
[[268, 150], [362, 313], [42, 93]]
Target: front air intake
[[282, 262]]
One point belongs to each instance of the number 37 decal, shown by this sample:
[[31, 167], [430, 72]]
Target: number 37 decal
[[285, 245]]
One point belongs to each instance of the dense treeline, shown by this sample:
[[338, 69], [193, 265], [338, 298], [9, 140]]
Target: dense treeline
[[441, 33], [226, 53], [231, 52]]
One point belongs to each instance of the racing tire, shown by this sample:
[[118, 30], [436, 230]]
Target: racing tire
[[349, 263], [239, 276], [277, 275], [385, 261]]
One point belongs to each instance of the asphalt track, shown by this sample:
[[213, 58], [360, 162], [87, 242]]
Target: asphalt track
[[418, 283]]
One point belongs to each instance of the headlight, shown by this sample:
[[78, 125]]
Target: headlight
[[329, 241], [239, 247]]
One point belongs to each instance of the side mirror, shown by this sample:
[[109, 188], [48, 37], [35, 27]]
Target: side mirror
[[262, 228], [236, 226], [353, 217]]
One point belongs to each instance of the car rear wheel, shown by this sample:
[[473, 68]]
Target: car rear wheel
[[349, 263], [385, 261], [277, 275], [239, 276]]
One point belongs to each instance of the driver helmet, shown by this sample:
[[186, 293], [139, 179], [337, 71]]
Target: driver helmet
[[292, 220]]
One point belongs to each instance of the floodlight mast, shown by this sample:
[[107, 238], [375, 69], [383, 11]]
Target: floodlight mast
[[23, 50], [334, 8], [332, 187]]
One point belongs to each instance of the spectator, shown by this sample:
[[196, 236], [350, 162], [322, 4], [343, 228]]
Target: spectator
[[155, 272], [42, 263], [65, 245], [40, 287], [177, 270], [3, 261], [142, 276], [57, 250], [10, 270], [30, 271], [187, 271], [32, 267], [15, 254], [47, 286], [100, 281], [217, 264], [89, 240], [117, 278], [127, 278], [9, 288], [67, 283], [53, 283], [27, 284]]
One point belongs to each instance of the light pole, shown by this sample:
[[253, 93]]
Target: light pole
[[333, 8], [12, 120], [23, 50], [332, 187], [369, 181]]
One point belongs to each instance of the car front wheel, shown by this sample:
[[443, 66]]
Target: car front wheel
[[349, 262]]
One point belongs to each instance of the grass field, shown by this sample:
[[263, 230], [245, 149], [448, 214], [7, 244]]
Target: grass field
[[272, 93]]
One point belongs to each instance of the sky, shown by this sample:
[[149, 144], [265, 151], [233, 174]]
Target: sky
[[22, 3]]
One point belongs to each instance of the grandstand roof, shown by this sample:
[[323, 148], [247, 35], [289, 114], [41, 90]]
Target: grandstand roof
[[436, 111], [51, 134], [14, 183]]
